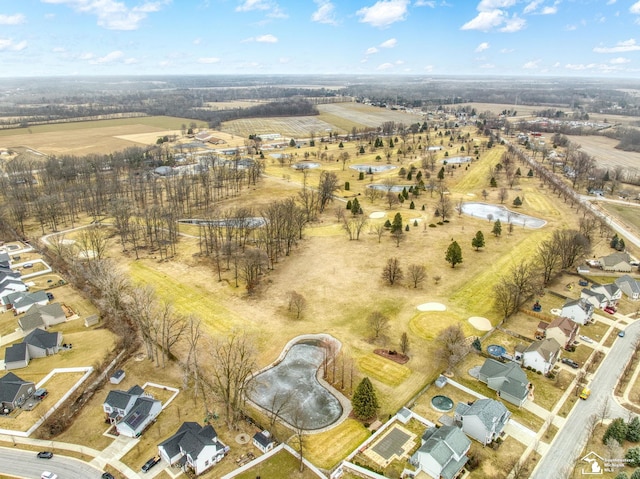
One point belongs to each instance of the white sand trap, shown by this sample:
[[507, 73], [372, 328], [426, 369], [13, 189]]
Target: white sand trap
[[480, 323], [432, 307], [471, 194], [377, 215]]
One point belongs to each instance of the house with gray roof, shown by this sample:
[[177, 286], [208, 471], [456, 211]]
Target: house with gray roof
[[14, 391], [598, 300], [42, 316], [11, 284], [16, 356], [131, 411], [578, 310], [193, 447], [443, 452], [264, 441], [539, 355], [22, 301], [611, 291], [483, 420], [41, 343], [617, 262], [508, 379], [629, 286]]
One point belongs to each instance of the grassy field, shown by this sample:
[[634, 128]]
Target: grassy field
[[630, 215]]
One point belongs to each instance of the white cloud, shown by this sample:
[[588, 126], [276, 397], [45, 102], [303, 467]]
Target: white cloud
[[550, 10], [383, 13], [371, 51], [7, 44], [619, 61], [131, 61], [487, 66], [624, 46], [482, 47], [385, 66], [208, 60], [197, 41], [113, 14], [635, 8], [108, 58], [86, 56], [532, 7], [531, 65], [399, 62], [249, 5], [268, 38], [424, 3], [392, 42], [507, 50], [164, 63], [487, 5], [325, 12], [16, 19], [485, 21], [514, 24], [611, 2]]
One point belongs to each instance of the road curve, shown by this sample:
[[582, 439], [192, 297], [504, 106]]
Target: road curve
[[25, 464]]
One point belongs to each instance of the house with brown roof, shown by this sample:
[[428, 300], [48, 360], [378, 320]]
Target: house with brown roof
[[563, 330], [539, 355]]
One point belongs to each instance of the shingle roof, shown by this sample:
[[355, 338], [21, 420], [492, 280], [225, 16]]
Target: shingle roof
[[615, 258], [33, 321], [547, 348], [9, 386], [191, 438], [489, 411], [442, 443], [515, 379], [15, 352], [139, 412], [118, 399], [564, 324], [631, 284], [263, 438], [41, 339]]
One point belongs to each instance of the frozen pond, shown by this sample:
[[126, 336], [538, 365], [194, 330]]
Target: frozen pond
[[394, 188], [292, 387], [372, 168], [499, 212], [249, 222], [305, 166], [457, 160]]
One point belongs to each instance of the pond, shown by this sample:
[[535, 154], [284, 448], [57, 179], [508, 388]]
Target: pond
[[457, 160], [305, 166], [499, 212], [373, 168], [393, 188], [292, 387]]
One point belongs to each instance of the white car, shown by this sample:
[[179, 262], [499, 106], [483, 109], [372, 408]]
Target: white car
[[48, 475], [586, 339]]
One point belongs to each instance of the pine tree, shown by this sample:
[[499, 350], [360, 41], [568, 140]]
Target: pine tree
[[355, 207], [441, 174], [478, 241], [517, 202], [397, 223], [454, 254], [364, 400], [497, 228], [493, 183], [616, 430], [633, 430]]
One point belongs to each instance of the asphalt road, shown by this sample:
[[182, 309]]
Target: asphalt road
[[25, 464], [567, 446]]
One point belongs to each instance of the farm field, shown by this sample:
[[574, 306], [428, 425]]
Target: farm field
[[604, 151], [289, 127]]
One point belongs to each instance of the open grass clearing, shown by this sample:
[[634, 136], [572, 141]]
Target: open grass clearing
[[496, 463], [384, 370], [289, 127], [630, 215], [281, 465], [326, 449], [547, 391], [368, 115]]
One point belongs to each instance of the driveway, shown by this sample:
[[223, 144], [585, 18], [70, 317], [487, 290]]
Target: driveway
[[567, 446]]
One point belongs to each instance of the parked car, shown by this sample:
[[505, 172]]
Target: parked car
[[48, 475], [106, 475], [27, 265], [40, 393], [621, 334], [45, 455], [50, 296], [586, 392], [150, 463], [570, 362], [586, 339], [609, 309]]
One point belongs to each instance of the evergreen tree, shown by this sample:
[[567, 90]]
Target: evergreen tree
[[517, 202], [397, 223], [292, 142], [633, 430], [530, 174], [406, 228], [340, 145], [477, 345], [518, 172], [349, 205], [364, 400], [355, 207], [614, 241], [616, 430], [621, 475], [347, 186], [441, 174], [405, 193], [635, 475], [497, 228], [478, 241], [454, 254], [412, 206], [633, 455], [493, 183], [362, 150], [621, 246]]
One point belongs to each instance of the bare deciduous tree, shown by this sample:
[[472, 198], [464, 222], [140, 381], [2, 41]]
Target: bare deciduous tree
[[378, 323], [452, 346], [417, 274], [296, 303], [392, 272]]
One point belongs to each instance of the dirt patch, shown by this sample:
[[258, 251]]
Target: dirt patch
[[392, 355]]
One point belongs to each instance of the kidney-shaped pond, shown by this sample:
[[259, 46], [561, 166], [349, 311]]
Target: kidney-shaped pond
[[291, 387]]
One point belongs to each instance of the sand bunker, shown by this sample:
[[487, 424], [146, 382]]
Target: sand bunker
[[480, 323], [432, 307], [377, 215]]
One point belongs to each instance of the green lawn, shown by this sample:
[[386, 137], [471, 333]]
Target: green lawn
[[282, 465]]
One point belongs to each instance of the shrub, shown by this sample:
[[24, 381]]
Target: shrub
[[431, 225], [347, 186]]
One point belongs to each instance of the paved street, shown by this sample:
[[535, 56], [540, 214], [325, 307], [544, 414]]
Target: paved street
[[571, 439], [21, 463]]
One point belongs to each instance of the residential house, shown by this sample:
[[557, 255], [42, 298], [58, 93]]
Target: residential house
[[11, 284], [629, 286], [483, 420], [611, 291], [16, 356], [617, 262], [598, 300], [14, 391], [38, 316], [443, 452], [577, 310], [264, 441], [539, 355], [508, 379], [41, 343], [131, 411], [193, 447], [22, 301], [563, 330]]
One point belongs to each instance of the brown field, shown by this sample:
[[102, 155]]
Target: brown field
[[604, 151], [366, 115], [289, 127]]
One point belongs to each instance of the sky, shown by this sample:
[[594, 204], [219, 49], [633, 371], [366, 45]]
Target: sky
[[583, 38]]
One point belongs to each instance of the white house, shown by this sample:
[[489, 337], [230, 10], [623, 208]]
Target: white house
[[629, 286], [598, 300], [38, 316], [611, 291], [443, 452], [578, 310], [539, 355], [483, 420], [194, 447], [22, 301], [264, 441], [131, 411]]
